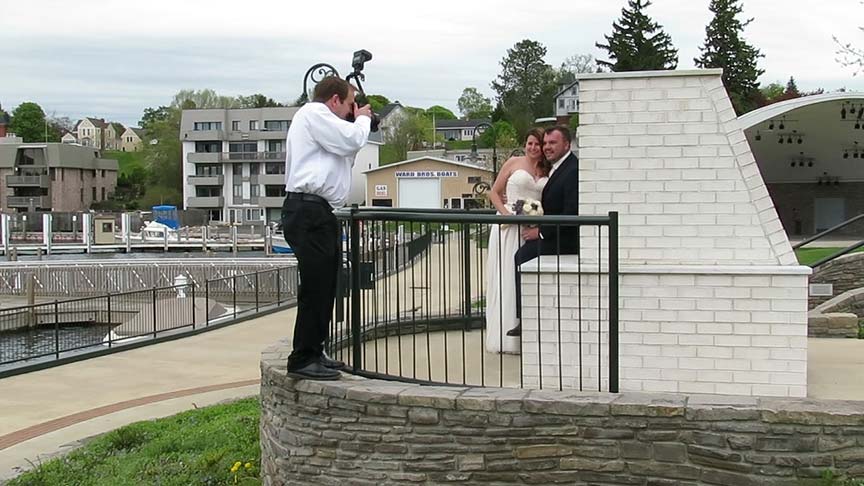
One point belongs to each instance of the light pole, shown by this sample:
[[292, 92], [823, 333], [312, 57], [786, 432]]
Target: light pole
[[481, 128]]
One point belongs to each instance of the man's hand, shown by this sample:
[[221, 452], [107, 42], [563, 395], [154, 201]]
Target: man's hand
[[529, 234], [365, 110]]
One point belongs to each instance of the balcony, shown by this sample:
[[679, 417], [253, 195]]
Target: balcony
[[206, 202], [203, 157], [202, 180], [202, 135], [272, 179], [271, 201], [251, 156], [28, 181], [37, 202]]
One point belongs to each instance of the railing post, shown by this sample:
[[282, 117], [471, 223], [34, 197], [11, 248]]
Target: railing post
[[56, 330], [355, 290], [278, 287], [154, 312], [206, 302], [234, 293], [613, 301], [109, 320], [193, 304], [466, 270], [256, 292]]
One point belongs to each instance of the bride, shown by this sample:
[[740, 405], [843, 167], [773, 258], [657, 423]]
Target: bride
[[520, 178]]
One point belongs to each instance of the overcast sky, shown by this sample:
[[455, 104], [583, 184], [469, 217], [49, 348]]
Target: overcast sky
[[112, 59]]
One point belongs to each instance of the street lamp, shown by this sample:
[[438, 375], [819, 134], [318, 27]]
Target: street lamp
[[480, 128]]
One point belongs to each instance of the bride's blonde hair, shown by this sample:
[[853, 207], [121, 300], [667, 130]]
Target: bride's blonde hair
[[537, 133]]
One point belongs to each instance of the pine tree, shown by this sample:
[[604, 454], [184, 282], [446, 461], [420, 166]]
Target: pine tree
[[792, 88], [638, 43], [725, 48]]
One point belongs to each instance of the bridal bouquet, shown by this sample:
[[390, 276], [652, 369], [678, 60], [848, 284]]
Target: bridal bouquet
[[526, 207]]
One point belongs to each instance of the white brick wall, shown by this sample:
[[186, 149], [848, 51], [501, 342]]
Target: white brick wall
[[678, 129], [686, 329], [712, 299]]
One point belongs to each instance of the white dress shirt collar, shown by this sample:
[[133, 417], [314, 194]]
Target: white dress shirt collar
[[558, 164]]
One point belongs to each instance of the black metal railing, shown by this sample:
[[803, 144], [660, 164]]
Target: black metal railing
[[415, 308], [831, 231], [54, 330]]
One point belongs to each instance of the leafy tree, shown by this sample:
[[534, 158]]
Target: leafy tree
[[163, 159], [153, 115], [377, 102], [205, 98], [772, 92], [725, 48], [28, 122], [637, 43], [849, 55], [413, 133], [257, 101], [505, 136], [576, 64], [526, 86], [440, 113], [474, 105]]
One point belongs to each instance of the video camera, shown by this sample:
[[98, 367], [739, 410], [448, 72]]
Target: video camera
[[361, 57]]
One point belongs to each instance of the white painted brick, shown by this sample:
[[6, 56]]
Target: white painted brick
[[595, 153], [646, 186], [674, 351], [696, 316], [771, 391], [717, 232], [699, 174], [624, 106], [681, 186], [646, 141], [768, 365], [629, 84], [607, 141], [681, 208], [733, 341], [695, 340], [663, 219], [649, 117], [714, 305], [696, 363], [683, 140], [662, 339], [668, 152], [716, 162], [678, 376], [734, 389], [648, 94], [771, 341], [701, 128], [715, 376], [752, 377], [659, 386], [714, 352], [639, 374], [686, 117], [698, 243], [611, 95], [789, 305], [678, 328], [644, 230], [751, 281], [789, 354], [660, 362], [684, 93], [665, 129], [789, 329], [646, 254], [641, 327], [663, 197], [700, 219], [735, 317], [732, 292], [611, 118], [666, 82], [700, 151], [699, 104], [640, 350], [752, 329], [779, 378], [688, 387], [628, 152]]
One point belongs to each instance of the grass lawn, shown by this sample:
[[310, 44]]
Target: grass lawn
[[807, 256], [128, 161], [195, 447]]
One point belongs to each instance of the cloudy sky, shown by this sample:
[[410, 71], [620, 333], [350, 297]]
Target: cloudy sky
[[112, 59]]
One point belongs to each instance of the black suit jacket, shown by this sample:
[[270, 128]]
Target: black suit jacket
[[561, 197]]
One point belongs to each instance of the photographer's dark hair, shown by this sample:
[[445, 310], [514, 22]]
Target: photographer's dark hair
[[329, 86], [537, 133], [563, 130]]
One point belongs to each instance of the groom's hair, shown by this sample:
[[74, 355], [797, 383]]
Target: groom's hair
[[563, 130]]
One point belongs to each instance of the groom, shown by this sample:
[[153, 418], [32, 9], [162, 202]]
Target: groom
[[560, 197]]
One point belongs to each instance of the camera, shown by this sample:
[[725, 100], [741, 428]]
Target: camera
[[358, 62]]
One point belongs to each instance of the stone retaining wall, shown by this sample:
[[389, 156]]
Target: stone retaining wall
[[358, 431], [844, 273]]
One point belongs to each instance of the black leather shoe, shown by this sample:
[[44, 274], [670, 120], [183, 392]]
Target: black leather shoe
[[516, 331], [333, 364], [314, 371]]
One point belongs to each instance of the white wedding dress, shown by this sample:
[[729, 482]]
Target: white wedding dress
[[504, 241]]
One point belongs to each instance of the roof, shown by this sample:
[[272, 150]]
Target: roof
[[434, 159], [139, 131], [388, 108], [118, 128], [566, 87], [98, 122], [459, 123], [775, 110]]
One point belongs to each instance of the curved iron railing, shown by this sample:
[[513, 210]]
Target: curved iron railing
[[414, 309]]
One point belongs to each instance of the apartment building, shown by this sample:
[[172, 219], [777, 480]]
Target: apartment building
[[53, 177], [234, 162]]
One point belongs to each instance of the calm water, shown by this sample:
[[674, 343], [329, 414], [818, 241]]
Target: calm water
[[148, 255], [41, 341]]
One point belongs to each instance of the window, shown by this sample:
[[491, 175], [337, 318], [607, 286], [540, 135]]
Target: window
[[242, 150], [238, 190], [466, 132], [561, 103], [103, 193], [277, 125], [276, 148], [273, 168], [254, 168], [208, 147], [473, 179], [253, 124], [208, 191], [82, 194], [107, 227], [274, 191], [203, 126], [53, 176], [215, 214], [255, 190], [237, 169], [235, 125], [94, 193], [103, 173], [253, 214], [81, 172], [208, 170]]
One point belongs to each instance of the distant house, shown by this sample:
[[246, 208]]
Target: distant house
[[89, 132], [132, 139], [567, 102], [68, 137], [453, 130], [111, 134], [391, 116]]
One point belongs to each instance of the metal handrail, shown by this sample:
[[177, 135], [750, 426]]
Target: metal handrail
[[828, 231]]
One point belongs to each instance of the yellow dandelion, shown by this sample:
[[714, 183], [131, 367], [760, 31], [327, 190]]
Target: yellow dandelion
[[248, 465], [236, 466]]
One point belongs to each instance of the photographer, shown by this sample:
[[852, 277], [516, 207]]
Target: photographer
[[320, 152]]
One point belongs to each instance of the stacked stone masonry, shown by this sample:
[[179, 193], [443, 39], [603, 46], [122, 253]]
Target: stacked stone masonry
[[367, 432]]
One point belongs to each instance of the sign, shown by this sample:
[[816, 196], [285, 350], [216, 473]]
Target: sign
[[821, 290], [380, 190], [416, 174]]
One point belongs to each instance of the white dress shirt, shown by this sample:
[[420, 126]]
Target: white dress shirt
[[320, 151], [558, 164]]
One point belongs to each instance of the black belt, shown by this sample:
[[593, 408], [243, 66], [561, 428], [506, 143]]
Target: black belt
[[309, 198]]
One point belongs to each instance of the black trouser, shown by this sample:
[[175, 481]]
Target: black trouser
[[528, 251], [313, 233]]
